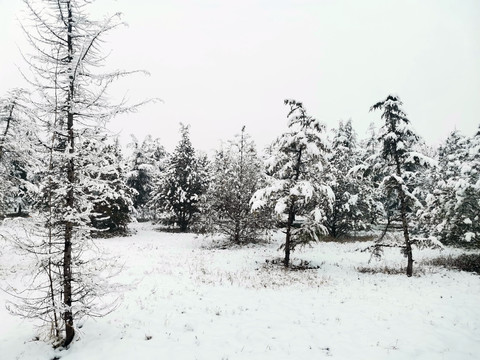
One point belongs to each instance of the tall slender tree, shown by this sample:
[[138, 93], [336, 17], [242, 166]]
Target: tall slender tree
[[68, 98], [398, 142]]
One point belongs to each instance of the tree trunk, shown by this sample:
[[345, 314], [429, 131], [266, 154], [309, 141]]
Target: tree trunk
[[291, 213], [182, 221], [237, 231], [67, 254], [291, 218], [403, 215], [3, 139], [406, 235], [49, 267], [67, 287]]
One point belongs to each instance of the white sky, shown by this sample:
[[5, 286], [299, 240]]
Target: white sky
[[219, 65]]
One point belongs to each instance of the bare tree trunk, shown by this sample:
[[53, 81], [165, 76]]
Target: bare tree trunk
[[67, 285], [67, 255]]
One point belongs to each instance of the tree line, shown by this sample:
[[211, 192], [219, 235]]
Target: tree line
[[311, 181]]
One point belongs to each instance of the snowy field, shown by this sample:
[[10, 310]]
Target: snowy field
[[184, 299]]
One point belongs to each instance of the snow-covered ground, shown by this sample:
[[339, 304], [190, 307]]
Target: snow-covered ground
[[187, 300]]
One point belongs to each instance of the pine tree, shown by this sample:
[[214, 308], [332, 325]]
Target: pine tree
[[184, 181], [401, 162], [452, 211], [294, 178], [237, 173], [17, 148], [146, 168], [355, 206], [111, 197]]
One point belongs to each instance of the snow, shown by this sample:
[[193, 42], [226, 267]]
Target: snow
[[303, 188], [469, 236], [280, 206], [184, 299]]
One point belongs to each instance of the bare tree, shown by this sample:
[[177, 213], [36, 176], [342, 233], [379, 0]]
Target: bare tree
[[69, 98]]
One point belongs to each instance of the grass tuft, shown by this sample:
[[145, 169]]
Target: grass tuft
[[464, 262], [381, 270]]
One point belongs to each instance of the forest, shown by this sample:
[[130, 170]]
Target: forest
[[67, 185]]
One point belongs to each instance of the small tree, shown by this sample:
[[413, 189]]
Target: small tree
[[110, 195], [294, 179], [237, 173], [146, 166], [398, 139], [184, 181]]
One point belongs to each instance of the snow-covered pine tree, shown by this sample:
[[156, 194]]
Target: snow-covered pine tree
[[68, 98], [112, 198], [185, 180], [452, 211], [401, 163], [17, 148], [146, 166], [355, 206], [237, 173], [295, 182]]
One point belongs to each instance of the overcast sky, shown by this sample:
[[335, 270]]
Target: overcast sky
[[222, 64]]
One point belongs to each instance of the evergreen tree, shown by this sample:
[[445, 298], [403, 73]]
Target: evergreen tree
[[17, 148], [295, 182], [401, 163], [183, 183], [452, 211], [373, 176], [146, 167], [111, 197], [237, 173], [355, 206]]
